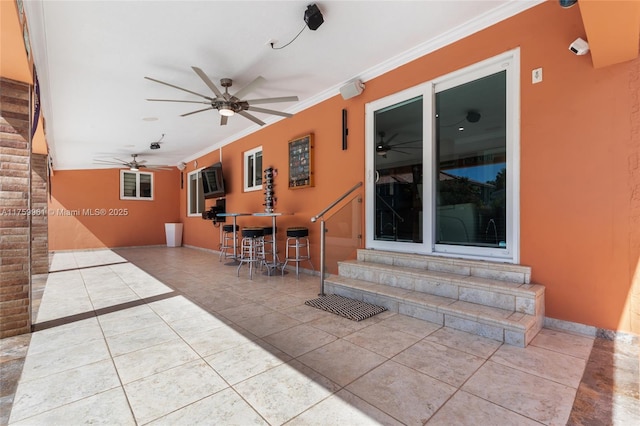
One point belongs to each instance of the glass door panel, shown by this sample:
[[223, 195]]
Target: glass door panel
[[471, 164], [397, 164]]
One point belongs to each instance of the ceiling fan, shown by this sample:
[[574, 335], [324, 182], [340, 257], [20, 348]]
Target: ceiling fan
[[383, 147], [134, 165], [226, 103]]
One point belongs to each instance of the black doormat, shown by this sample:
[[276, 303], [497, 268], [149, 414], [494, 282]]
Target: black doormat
[[355, 310]]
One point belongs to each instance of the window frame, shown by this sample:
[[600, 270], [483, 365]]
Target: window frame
[[189, 195], [509, 61], [138, 196], [247, 156]]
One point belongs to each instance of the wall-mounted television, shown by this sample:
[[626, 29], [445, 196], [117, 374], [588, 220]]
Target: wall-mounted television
[[213, 181]]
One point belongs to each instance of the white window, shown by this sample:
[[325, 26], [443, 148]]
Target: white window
[[136, 185], [253, 169], [195, 196]]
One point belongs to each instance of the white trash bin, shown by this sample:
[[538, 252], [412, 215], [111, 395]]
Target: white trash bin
[[174, 234]]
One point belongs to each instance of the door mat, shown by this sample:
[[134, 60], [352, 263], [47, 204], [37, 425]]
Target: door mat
[[354, 310]]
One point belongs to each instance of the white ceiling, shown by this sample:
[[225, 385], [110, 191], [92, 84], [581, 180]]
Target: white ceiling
[[92, 57]]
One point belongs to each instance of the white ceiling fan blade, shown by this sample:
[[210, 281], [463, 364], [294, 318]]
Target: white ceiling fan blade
[[179, 88], [208, 82], [397, 150], [175, 100], [406, 142], [157, 167], [270, 111], [122, 161], [249, 87], [392, 138], [252, 118], [195, 112], [98, 161], [272, 100]]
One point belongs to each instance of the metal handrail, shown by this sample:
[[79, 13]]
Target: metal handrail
[[323, 232], [332, 205], [395, 213]]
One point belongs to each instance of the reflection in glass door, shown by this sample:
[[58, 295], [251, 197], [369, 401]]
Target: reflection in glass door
[[398, 202], [471, 164]]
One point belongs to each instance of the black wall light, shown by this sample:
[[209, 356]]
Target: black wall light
[[345, 129]]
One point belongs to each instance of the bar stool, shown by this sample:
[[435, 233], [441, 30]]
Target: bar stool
[[229, 234], [298, 241], [251, 248], [270, 248]]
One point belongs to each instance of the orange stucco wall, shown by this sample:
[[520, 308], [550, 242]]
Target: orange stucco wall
[[85, 210], [579, 163], [14, 63], [580, 172]]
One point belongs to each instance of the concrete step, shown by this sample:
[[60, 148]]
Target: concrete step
[[483, 269], [494, 300], [483, 291], [514, 328]]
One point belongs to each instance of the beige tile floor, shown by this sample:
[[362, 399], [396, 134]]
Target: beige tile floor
[[195, 344]]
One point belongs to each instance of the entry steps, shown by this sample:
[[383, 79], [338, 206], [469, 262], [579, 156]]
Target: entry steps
[[494, 300]]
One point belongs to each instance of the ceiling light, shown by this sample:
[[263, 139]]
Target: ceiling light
[[226, 111], [461, 128], [134, 168], [473, 116]]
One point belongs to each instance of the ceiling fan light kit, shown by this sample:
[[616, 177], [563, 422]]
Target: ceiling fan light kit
[[226, 111]]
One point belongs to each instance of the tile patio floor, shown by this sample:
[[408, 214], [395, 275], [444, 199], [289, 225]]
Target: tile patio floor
[[194, 344]]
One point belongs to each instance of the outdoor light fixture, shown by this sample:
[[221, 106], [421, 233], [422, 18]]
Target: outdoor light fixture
[[226, 111]]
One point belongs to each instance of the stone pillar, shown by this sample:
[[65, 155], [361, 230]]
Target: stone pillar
[[39, 218], [15, 223]]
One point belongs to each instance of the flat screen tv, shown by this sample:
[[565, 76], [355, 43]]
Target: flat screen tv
[[213, 181]]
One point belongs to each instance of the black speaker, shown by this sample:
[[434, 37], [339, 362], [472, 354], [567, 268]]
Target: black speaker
[[313, 17]]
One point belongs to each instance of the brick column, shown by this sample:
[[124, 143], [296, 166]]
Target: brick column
[[39, 221], [15, 226]]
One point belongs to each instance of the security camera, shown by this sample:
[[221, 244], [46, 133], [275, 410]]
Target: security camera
[[579, 47]]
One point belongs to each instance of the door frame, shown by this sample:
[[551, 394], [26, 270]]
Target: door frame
[[509, 61]]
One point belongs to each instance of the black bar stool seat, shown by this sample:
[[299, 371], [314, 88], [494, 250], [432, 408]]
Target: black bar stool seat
[[297, 248], [251, 248], [229, 234]]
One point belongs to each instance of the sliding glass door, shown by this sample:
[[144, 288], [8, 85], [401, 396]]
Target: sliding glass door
[[395, 160], [443, 165]]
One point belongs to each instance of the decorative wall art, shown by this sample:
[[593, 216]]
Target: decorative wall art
[[301, 162]]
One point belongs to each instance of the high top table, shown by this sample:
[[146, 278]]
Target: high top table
[[276, 263], [234, 262]]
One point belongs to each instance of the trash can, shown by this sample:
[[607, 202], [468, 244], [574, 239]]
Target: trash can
[[174, 234]]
